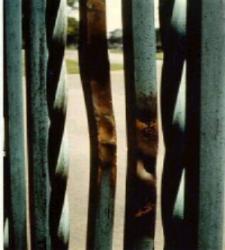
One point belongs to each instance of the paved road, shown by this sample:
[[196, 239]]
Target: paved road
[[79, 157], [79, 163]]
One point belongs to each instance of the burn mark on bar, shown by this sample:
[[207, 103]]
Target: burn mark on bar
[[94, 65], [146, 109], [146, 148]]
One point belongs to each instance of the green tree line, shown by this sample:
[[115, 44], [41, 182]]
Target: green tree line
[[72, 24]]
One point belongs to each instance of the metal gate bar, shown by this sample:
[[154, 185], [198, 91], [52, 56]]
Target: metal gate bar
[[36, 58], [94, 67], [14, 117], [142, 128], [173, 105], [203, 217], [57, 107], [206, 124]]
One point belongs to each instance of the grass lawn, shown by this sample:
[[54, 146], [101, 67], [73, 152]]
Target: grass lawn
[[116, 51], [73, 66], [159, 55]]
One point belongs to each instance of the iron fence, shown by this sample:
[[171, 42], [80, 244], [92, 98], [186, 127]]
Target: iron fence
[[191, 111]]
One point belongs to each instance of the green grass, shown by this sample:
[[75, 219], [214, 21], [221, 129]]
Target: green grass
[[71, 47], [116, 66], [116, 51], [159, 55], [73, 67]]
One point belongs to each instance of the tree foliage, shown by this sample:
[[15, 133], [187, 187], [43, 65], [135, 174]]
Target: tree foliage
[[72, 31], [71, 2]]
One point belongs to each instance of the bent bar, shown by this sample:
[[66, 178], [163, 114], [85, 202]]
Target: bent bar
[[94, 67], [173, 116], [142, 128], [57, 107]]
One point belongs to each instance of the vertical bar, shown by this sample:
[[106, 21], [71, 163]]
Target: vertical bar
[[15, 124], [94, 66], [142, 128], [1, 129], [206, 124], [36, 56], [57, 107], [173, 109]]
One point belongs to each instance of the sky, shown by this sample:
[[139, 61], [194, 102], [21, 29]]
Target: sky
[[113, 11], [113, 8]]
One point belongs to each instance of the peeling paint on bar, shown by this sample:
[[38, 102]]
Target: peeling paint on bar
[[94, 66], [142, 127], [15, 182]]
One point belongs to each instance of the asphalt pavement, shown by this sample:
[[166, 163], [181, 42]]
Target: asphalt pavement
[[78, 184]]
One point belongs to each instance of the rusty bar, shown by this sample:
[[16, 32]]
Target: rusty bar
[[173, 104], [57, 107], [36, 57], [142, 128], [206, 124], [14, 117], [94, 66]]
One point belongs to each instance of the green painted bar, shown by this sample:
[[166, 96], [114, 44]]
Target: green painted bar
[[14, 117], [142, 128], [2, 216], [173, 115], [57, 106], [94, 68], [206, 124], [37, 117]]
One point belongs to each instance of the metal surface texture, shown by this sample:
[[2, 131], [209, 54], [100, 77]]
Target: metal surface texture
[[37, 118], [57, 106], [94, 69], [192, 112], [14, 168], [2, 140], [173, 109], [206, 124], [142, 127]]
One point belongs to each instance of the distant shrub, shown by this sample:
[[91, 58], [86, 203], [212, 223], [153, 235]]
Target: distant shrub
[[72, 31]]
